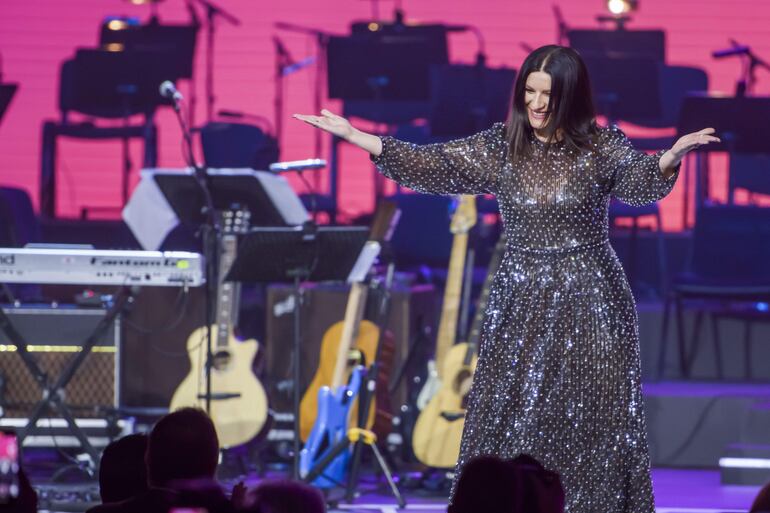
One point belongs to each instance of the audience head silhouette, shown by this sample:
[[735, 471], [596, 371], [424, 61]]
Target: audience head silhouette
[[493, 485], [761, 502], [122, 471], [182, 445], [285, 496]]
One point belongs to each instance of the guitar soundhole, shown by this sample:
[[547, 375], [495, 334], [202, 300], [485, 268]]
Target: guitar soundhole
[[221, 360], [463, 380]]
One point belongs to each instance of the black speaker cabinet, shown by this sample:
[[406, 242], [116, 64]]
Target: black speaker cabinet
[[324, 305], [54, 336]]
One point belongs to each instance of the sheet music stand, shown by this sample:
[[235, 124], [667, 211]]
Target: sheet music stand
[[297, 254], [742, 123], [6, 95], [269, 198]]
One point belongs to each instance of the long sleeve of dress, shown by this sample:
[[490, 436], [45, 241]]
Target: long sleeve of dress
[[464, 166], [635, 176]]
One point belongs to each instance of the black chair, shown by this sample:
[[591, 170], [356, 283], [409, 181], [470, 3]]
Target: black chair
[[102, 85], [674, 83], [237, 145], [728, 278]]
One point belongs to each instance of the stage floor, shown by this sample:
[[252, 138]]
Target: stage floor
[[676, 491]]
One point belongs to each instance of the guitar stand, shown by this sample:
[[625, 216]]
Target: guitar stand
[[359, 436], [53, 392]]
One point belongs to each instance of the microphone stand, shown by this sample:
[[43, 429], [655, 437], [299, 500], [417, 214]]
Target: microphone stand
[[213, 10], [749, 77], [322, 45], [210, 234]]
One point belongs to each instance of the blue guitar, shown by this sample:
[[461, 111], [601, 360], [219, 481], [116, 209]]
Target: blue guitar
[[330, 428], [336, 399]]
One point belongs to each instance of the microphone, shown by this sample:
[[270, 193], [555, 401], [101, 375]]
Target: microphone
[[729, 52], [168, 90], [297, 165]]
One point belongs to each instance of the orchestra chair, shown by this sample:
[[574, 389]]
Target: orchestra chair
[[727, 277], [91, 85]]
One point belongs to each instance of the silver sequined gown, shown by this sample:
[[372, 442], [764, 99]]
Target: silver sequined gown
[[558, 373]]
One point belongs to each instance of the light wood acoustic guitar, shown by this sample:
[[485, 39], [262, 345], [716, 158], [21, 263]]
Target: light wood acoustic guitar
[[439, 428], [427, 437], [351, 342], [239, 407]]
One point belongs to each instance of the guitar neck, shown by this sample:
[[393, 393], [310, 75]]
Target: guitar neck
[[227, 291], [354, 312], [447, 330]]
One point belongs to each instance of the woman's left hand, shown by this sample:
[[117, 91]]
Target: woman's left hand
[[686, 144]]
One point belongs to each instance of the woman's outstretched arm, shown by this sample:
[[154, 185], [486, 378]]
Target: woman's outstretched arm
[[464, 166], [342, 128]]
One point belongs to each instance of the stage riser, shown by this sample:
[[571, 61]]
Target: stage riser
[[691, 425], [704, 365]]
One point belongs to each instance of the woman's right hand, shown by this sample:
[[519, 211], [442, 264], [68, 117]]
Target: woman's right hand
[[332, 123], [342, 128]]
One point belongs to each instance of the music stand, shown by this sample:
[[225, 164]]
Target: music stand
[[297, 254], [268, 197], [619, 43], [625, 87], [467, 99], [742, 123], [6, 95]]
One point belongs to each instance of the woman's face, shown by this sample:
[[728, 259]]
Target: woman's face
[[537, 92]]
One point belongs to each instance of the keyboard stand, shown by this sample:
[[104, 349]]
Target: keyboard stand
[[53, 391]]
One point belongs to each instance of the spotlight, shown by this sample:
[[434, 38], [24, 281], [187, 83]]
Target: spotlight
[[619, 7]]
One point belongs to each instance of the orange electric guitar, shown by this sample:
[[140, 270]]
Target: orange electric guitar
[[351, 342]]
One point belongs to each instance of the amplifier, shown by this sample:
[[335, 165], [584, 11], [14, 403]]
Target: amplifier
[[55, 335]]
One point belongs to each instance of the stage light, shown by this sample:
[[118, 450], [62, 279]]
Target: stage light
[[117, 24], [618, 7]]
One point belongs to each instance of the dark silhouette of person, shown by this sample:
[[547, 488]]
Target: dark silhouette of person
[[491, 485], [761, 502], [182, 448], [122, 471], [284, 496]]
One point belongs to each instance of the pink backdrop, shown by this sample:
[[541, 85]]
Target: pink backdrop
[[36, 35]]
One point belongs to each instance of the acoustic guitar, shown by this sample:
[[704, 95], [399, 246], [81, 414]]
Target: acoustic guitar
[[423, 444], [439, 429], [239, 406], [462, 221]]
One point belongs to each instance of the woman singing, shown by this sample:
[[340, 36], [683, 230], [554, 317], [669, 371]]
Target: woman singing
[[558, 374]]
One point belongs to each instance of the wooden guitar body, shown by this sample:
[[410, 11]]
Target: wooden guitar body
[[238, 419], [366, 343], [439, 428]]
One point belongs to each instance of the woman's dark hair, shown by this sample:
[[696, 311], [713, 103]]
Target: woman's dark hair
[[570, 107]]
